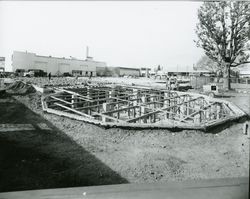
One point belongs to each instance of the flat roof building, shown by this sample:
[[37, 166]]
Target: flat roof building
[[243, 70], [125, 71], [145, 72], [55, 65], [118, 71]]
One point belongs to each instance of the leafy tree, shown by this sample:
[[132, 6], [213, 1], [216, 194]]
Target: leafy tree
[[205, 63], [224, 32]]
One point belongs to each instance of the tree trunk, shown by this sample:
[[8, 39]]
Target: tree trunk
[[226, 77], [229, 83], [225, 83]]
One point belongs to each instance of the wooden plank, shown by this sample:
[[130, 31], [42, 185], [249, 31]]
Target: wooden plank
[[121, 109], [61, 100], [198, 111], [73, 93], [121, 99], [75, 111], [85, 99], [163, 112], [159, 110], [108, 117], [87, 107], [119, 102]]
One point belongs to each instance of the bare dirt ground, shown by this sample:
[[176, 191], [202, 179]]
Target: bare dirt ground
[[44, 158], [127, 155]]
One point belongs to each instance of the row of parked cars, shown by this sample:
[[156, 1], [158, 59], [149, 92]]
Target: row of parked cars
[[30, 73], [35, 73]]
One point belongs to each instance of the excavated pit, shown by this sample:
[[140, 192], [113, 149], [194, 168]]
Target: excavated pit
[[140, 107]]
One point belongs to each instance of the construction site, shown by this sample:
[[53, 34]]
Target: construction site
[[81, 132], [140, 107], [124, 99]]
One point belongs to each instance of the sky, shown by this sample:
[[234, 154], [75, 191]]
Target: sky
[[121, 33]]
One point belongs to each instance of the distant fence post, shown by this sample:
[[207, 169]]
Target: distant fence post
[[246, 129], [195, 82]]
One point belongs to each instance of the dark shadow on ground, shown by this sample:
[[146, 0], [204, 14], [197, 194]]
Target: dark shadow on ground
[[221, 127], [224, 96], [43, 159]]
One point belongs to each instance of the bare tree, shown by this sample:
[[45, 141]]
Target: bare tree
[[224, 32]]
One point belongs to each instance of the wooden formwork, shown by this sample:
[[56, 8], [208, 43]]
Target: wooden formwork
[[140, 107]]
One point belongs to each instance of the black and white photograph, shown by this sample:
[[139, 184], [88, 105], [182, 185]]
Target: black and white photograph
[[124, 99]]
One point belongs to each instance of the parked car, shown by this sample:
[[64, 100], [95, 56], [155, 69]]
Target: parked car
[[69, 75], [19, 72], [213, 90], [179, 84], [183, 84], [29, 74], [36, 73]]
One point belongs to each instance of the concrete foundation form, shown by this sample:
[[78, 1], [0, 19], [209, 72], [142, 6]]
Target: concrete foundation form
[[140, 107]]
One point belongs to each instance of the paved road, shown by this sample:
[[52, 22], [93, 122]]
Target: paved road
[[231, 188], [241, 100]]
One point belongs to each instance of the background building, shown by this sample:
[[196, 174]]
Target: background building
[[55, 65], [124, 71], [243, 70], [109, 71], [188, 73], [145, 72]]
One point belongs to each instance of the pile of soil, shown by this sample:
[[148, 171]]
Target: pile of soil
[[19, 87]]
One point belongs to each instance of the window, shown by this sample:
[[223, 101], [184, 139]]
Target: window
[[213, 88]]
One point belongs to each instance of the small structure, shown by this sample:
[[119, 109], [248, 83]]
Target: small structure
[[125, 71], [161, 75], [112, 71], [145, 72]]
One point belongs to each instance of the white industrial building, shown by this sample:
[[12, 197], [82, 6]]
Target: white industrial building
[[55, 65]]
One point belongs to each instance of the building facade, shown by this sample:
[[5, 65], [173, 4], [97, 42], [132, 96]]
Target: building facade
[[124, 71], [145, 72], [54, 65], [107, 71], [111, 71], [243, 70]]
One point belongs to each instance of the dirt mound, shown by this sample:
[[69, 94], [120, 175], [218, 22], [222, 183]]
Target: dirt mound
[[19, 87]]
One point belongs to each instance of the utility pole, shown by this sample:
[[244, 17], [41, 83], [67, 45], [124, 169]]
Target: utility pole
[[87, 52]]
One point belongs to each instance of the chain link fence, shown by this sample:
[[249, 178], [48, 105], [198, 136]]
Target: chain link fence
[[197, 82]]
